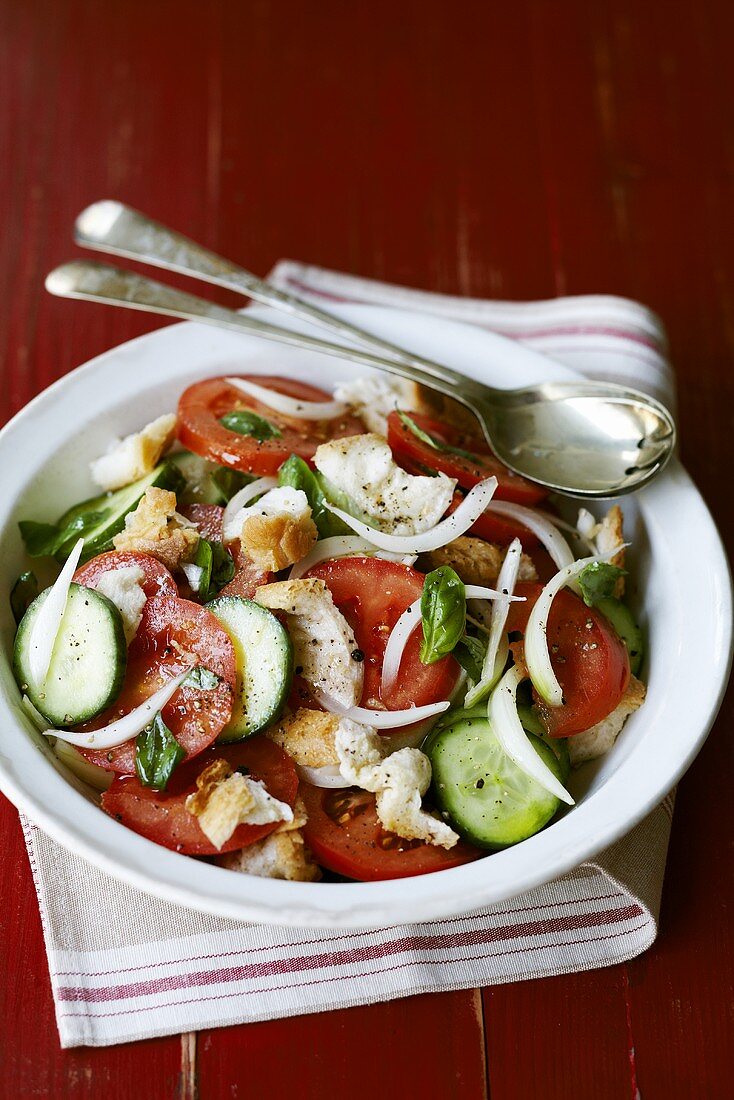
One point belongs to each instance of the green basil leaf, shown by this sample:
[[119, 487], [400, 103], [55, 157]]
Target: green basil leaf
[[246, 422], [22, 594], [157, 754], [598, 581], [217, 568], [430, 440], [46, 539], [469, 652], [443, 613], [229, 482], [298, 475], [201, 678]]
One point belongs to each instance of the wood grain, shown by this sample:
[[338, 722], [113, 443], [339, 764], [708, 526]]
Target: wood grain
[[515, 151]]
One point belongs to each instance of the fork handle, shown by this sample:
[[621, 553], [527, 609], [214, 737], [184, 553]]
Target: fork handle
[[92, 281], [115, 228]]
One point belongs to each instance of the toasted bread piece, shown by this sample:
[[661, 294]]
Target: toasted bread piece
[[155, 528], [275, 542], [308, 736], [609, 536], [598, 740], [477, 561]]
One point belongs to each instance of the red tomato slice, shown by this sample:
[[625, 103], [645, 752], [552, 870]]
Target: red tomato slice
[[162, 817], [345, 835], [587, 656], [157, 581], [207, 518], [173, 635], [202, 405], [467, 471], [372, 594]]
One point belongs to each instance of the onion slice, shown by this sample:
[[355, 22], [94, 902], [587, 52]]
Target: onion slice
[[465, 516], [506, 582], [256, 488], [507, 727], [329, 776], [294, 407], [381, 719], [396, 643], [109, 737], [34, 714], [343, 546], [48, 621], [90, 774], [537, 657], [540, 525]]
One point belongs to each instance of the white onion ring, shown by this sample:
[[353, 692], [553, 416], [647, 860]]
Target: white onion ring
[[45, 629], [506, 582], [381, 719], [342, 546], [326, 777], [507, 727], [130, 725], [239, 501], [294, 407], [549, 535], [465, 516]]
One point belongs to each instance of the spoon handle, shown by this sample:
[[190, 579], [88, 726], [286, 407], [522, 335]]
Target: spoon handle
[[115, 228], [92, 281]]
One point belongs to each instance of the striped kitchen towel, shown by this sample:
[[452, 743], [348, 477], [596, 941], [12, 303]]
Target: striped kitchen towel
[[127, 966]]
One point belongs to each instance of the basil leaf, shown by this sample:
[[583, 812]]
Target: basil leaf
[[217, 568], [443, 613], [46, 539], [22, 594], [431, 440], [228, 482], [157, 754], [298, 475], [598, 581], [246, 422], [469, 652], [201, 678]]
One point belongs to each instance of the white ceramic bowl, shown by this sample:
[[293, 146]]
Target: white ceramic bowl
[[680, 585]]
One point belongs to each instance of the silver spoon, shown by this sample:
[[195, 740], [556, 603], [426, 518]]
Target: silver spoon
[[584, 438]]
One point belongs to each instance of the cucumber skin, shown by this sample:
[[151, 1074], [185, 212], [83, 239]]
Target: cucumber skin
[[620, 616], [470, 834], [167, 476], [121, 665], [229, 735]]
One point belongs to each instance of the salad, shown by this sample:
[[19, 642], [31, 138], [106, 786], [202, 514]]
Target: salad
[[301, 635]]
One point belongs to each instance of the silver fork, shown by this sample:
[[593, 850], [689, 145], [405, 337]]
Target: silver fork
[[585, 438]]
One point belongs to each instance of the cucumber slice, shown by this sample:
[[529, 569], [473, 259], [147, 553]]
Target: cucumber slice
[[620, 617], [264, 655], [106, 513], [485, 796], [88, 662]]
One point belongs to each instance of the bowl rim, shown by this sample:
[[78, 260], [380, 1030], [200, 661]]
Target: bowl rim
[[136, 861]]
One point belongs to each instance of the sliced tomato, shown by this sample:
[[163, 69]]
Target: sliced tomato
[[345, 835], [174, 634], [202, 406], [372, 594], [157, 581], [470, 468], [207, 518], [162, 817], [587, 656]]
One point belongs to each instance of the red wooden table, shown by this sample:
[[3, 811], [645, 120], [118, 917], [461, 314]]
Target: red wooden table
[[515, 150]]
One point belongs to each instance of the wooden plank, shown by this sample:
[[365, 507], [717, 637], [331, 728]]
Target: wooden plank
[[430, 1046]]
